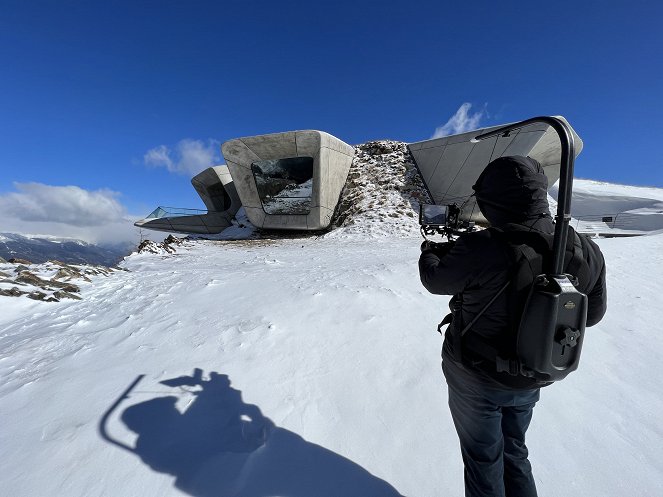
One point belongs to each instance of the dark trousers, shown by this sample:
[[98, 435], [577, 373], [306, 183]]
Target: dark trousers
[[491, 425]]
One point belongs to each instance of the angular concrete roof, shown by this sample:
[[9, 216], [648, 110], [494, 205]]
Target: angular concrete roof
[[450, 165]]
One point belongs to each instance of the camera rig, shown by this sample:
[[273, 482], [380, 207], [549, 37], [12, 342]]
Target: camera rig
[[443, 220]]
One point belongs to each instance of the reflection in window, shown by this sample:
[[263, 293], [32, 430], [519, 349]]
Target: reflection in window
[[285, 186]]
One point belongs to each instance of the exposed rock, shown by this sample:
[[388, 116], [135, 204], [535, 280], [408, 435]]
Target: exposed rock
[[381, 147], [37, 295], [61, 294], [99, 270], [60, 263], [69, 273], [32, 279], [383, 191], [12, 292], [16, 260], [29, 278], [50, 281], [173, 240], [167, 246], [66, 287], [148, 246], [2, 260]]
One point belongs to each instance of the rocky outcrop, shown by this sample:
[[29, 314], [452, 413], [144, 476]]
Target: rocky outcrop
[[168, 246], [17, 260], [383, 191], [49, 282]]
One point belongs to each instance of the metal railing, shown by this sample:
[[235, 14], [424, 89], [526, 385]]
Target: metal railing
[[162, 211]]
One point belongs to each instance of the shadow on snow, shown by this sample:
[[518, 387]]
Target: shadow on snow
[[221, 446]]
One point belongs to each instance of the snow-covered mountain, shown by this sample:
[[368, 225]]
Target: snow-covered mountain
[[40, 248], [304, 367]]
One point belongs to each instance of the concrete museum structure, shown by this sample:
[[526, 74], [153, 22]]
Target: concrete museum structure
[[216, 189], [450, 165], [290, 180], [294, 180]]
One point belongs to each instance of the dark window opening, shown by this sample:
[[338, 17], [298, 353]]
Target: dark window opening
[[285, 186], [219, 196]]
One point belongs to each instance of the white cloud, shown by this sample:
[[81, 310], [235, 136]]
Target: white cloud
[[461, 122], [62, 204], [159, 156], [189, 156], [66, 211]]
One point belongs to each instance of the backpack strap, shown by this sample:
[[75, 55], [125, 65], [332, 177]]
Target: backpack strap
[[474, 320], [577, 266], [527, 264]]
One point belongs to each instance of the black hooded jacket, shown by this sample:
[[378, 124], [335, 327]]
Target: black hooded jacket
[[512, 195]]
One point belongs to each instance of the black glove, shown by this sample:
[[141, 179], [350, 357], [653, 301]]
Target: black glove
[[426, 245], [440, 249]]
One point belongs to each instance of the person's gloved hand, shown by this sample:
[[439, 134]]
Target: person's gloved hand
[[426, 245], [440, 249]]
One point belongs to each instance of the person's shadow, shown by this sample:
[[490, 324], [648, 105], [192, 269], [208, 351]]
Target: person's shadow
[[221, 446]]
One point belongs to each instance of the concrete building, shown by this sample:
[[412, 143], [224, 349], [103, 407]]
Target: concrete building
[[450, 165], [290, 180], [293, 180], [217, 190]]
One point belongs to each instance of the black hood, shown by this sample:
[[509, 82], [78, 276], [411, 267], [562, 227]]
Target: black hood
[[513, 190]]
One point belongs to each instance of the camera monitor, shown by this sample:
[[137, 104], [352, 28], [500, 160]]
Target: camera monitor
[[433, 215]]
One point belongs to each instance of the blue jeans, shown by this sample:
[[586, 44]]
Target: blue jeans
[[491, 425]]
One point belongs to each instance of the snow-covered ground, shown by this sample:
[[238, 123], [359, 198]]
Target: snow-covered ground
[[335, 386], [309, 367]]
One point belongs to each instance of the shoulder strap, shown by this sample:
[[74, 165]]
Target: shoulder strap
[[469, 325], [577, 265], [524, 251], [533, 263]]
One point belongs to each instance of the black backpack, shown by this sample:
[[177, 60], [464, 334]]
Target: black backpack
[[547, 313]]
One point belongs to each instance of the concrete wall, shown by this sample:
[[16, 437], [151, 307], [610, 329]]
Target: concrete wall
[[210, 185], [207, 185], [450, 165], [331, 162]]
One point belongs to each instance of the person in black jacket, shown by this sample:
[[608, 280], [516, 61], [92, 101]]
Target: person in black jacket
[[492, 410]]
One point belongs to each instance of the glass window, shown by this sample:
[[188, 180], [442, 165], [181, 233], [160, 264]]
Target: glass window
[[285, 186]]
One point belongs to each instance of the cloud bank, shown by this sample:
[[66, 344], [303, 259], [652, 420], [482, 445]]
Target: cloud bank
[[62, 204], [463, 120], [188, 157], [66, 211]]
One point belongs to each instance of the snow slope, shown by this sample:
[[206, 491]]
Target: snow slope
[[335, 386]]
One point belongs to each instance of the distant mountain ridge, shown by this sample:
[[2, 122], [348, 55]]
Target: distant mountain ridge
[[40, 249]]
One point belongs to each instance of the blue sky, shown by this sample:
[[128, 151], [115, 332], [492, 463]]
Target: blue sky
[[107, 108]]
